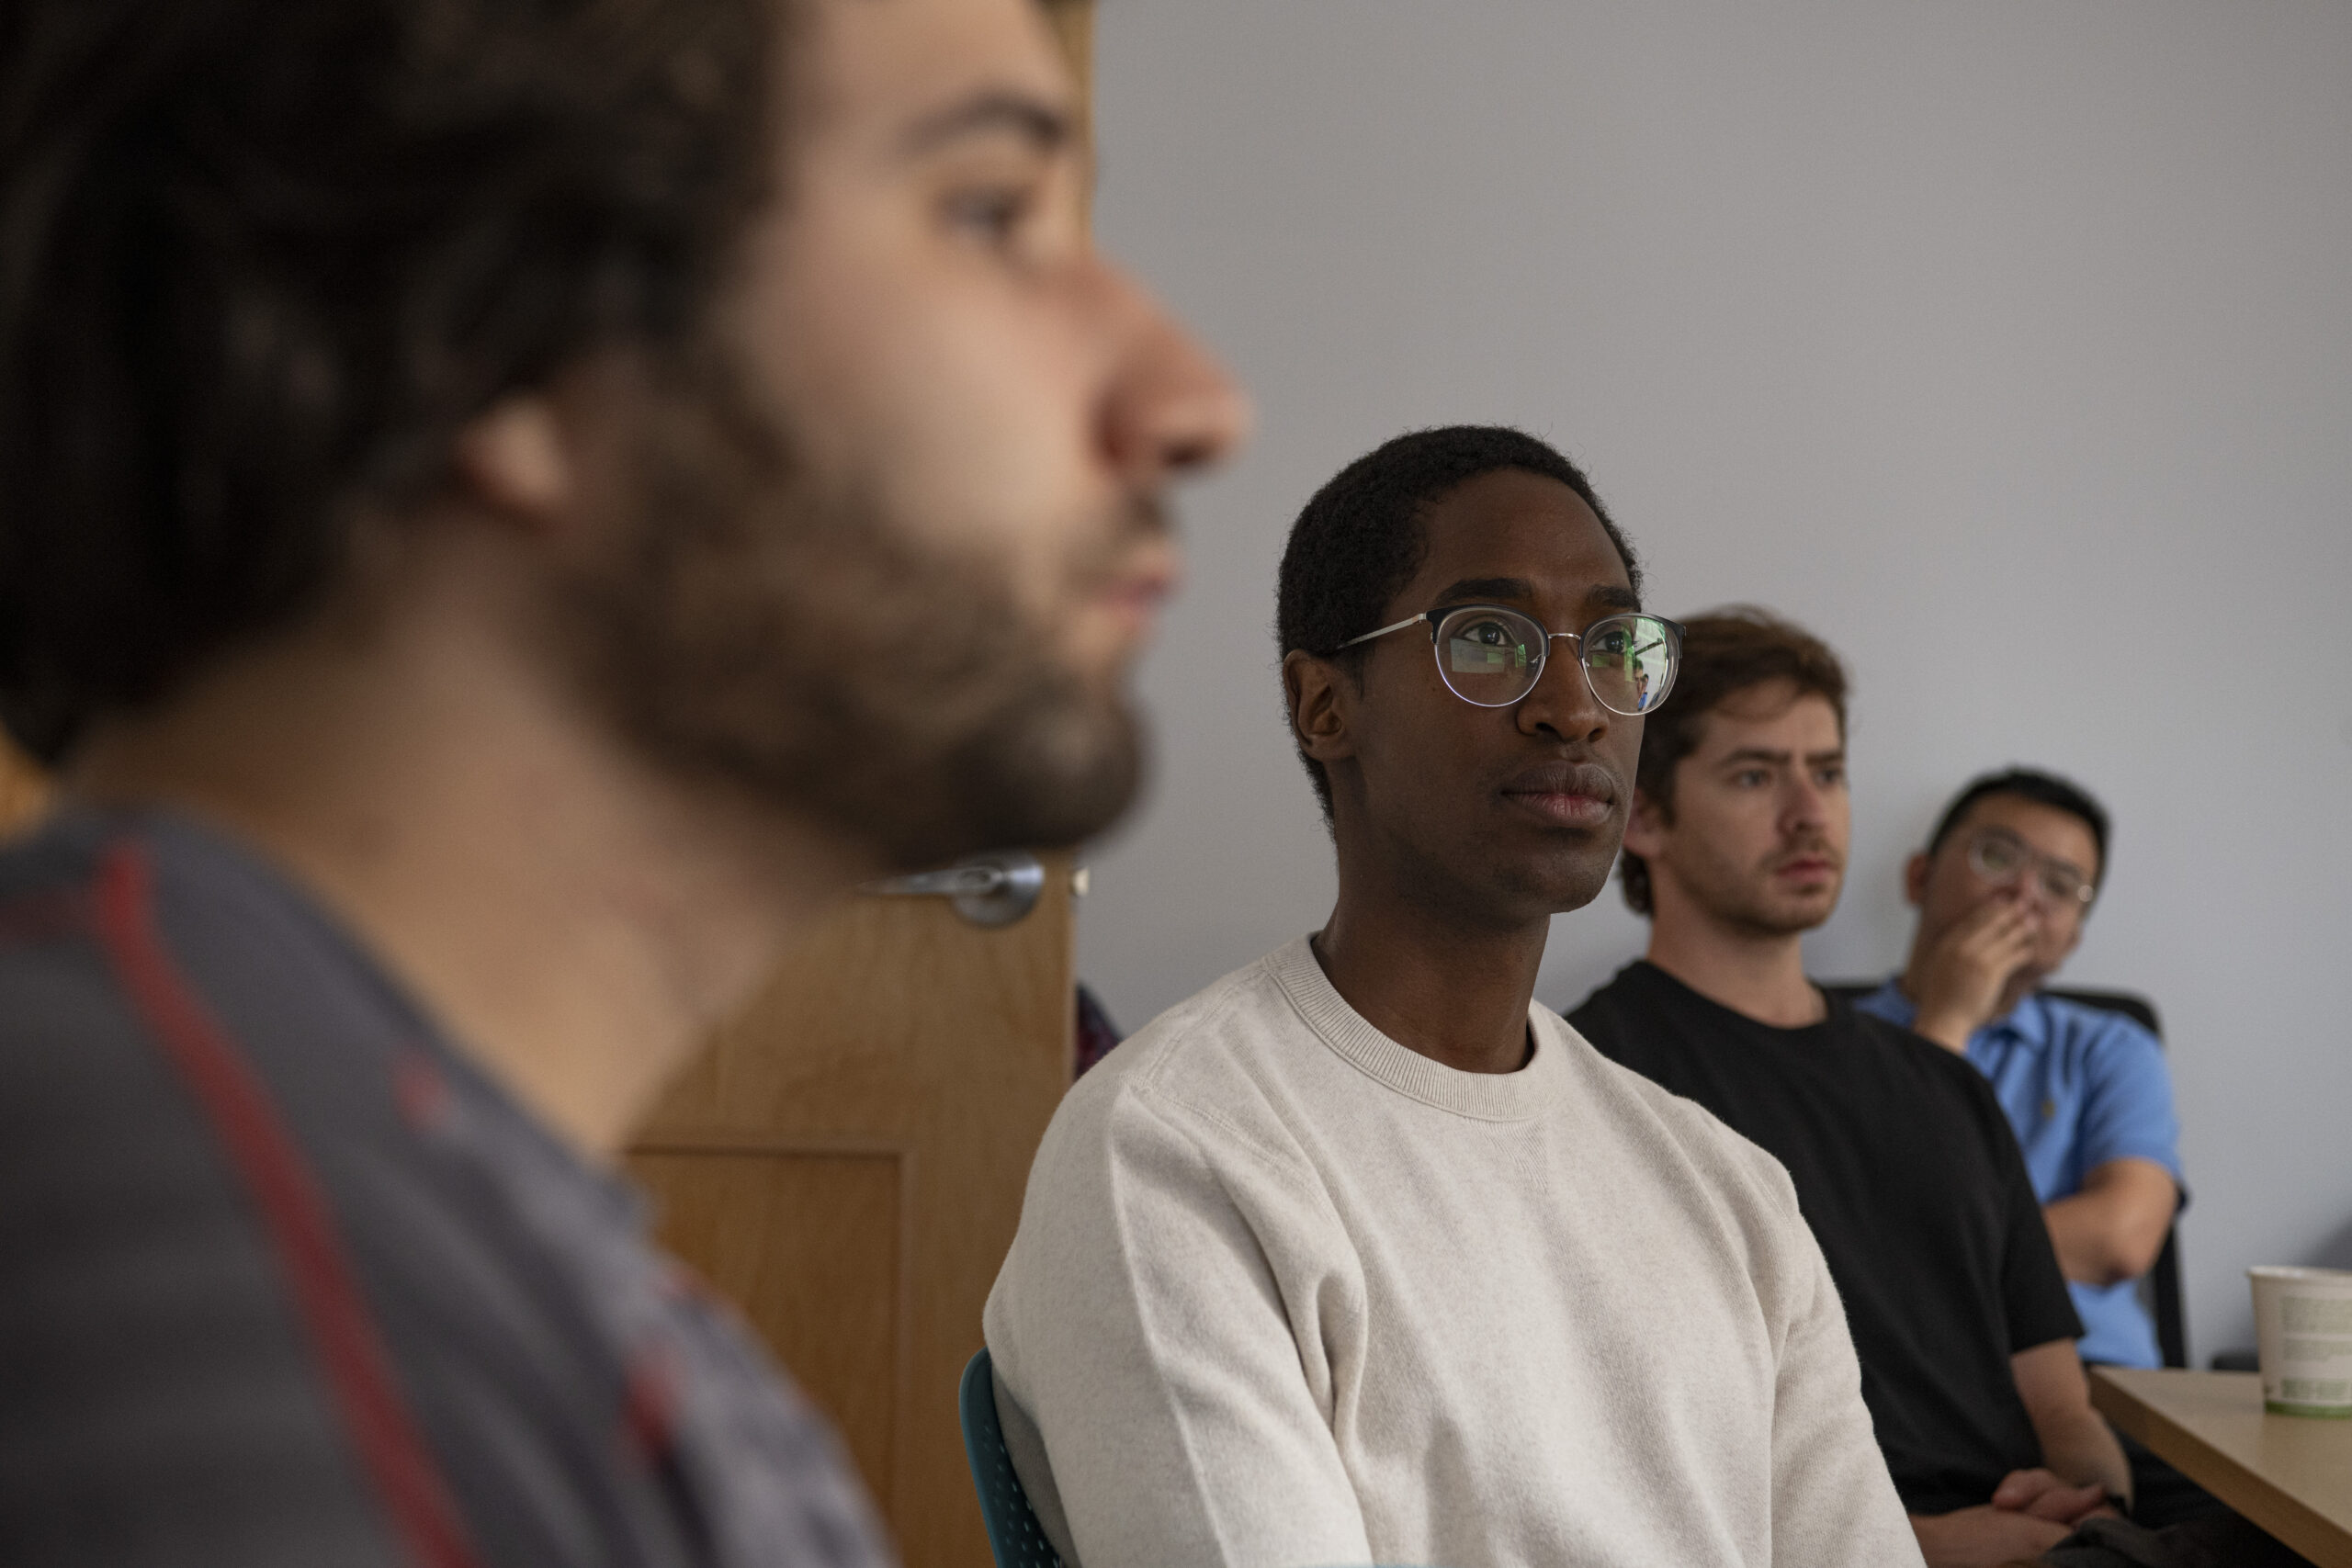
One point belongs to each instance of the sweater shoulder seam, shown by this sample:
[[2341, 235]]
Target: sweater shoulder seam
[[1176, 1111]]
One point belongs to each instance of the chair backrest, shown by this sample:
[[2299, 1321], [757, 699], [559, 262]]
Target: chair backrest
[[2163, 1279], [1014, 1534]]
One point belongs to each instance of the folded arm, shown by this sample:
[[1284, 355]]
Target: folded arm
[[1833, 1502], [2075, 1443], [2112, 1230], [2032, 1510]]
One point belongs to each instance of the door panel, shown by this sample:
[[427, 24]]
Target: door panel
[[846, 1163]]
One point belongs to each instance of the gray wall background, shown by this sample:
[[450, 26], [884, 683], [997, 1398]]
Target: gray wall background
[[2007, 344]]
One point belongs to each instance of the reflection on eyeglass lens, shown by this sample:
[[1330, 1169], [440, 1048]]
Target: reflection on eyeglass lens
[[1486, 647]]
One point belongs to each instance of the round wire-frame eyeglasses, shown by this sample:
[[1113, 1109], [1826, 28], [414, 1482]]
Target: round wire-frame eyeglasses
[[1999, 856], [1491, 656]]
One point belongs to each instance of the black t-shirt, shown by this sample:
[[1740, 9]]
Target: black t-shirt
[[1911, 1178]]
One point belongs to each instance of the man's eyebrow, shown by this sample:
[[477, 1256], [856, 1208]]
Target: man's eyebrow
[[1481, 589], [1493, 589], [1040, 121], [1757, 754]]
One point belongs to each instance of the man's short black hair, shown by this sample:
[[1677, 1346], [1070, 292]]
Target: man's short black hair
[[2044, 789], [1360, 539], [261, 260]]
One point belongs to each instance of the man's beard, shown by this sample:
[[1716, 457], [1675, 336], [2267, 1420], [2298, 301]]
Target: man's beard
[[788, 642], [1742, 897]]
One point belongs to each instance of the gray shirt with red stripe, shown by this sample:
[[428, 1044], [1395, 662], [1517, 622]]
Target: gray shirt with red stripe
[[285, 1281]]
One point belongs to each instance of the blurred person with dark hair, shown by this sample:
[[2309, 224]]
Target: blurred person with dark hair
[[506, 511], [1362, 1254], [2003, 888]]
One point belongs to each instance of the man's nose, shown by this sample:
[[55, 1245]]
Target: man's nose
[[1807, 805], [1173, 408], [1562, 703]]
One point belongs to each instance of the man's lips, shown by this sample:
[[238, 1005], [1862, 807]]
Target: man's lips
[[1136, 592], [1569, 794], [1806, 867], [1142, 590]]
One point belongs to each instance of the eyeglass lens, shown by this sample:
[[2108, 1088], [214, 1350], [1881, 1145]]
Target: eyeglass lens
[[1493, 658], [1997, 857]]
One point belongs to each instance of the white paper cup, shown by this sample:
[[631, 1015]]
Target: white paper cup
[[2302, 1330]]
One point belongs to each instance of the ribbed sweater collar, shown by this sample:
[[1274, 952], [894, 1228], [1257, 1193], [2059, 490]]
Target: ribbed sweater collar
[[1488, 1097]]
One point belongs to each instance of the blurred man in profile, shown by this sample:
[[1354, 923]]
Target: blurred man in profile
[[506, 510]]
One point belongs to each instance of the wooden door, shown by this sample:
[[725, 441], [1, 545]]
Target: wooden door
[[846, 1164], [847, 1161]]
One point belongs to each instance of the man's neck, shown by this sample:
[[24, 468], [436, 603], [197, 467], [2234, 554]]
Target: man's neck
[[1453, 990], [576, 920], [1759, 973]]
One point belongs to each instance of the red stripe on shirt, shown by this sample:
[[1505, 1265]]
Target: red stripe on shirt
[[293, 1210]]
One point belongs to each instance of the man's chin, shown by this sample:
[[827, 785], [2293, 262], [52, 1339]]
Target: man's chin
[[1786, 916], [1050, 776], [1794, 919], [1564, 887]]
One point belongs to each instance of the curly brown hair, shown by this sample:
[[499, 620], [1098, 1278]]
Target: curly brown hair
[[1724, 653]]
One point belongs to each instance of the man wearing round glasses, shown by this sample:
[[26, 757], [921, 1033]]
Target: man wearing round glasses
[[1360, 1255], [2002, 889]]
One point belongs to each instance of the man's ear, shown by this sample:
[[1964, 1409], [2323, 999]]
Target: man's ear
[[1645, 826], [1915, 878], [1320, 705], [513, 459]]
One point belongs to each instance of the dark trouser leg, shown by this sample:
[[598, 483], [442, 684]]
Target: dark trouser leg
[[2161, 1496], [2225, 1542]]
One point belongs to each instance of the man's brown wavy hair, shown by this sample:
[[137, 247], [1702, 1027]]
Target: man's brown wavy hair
[[261, 261], [1724, 653]]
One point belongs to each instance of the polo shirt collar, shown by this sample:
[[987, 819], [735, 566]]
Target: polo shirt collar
[[2026, 1024]]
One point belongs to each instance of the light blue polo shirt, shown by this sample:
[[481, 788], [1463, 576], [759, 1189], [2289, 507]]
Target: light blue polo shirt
[[2082, 1085]]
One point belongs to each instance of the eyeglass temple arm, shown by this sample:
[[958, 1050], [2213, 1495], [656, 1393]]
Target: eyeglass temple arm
[[1432, 617], [1394, 626]]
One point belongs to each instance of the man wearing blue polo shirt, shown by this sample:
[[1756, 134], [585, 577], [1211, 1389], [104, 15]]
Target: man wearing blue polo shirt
[[2002, 890]]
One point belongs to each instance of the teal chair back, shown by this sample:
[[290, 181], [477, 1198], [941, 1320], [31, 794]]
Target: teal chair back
[[1014, 1531]]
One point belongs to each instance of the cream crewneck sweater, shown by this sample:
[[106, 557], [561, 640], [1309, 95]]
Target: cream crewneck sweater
[[1286, 1293]]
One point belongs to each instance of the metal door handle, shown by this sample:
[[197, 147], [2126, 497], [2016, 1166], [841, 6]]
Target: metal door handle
[[993, 889]]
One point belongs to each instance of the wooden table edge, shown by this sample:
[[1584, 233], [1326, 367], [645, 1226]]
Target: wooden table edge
[[2294, 1521]]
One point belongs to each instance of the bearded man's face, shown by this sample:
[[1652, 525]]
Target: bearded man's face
[[895, 532]]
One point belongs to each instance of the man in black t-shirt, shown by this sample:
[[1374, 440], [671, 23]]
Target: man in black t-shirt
[[1902, 1159]]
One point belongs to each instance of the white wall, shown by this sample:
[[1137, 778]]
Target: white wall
[[2006, 343]]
